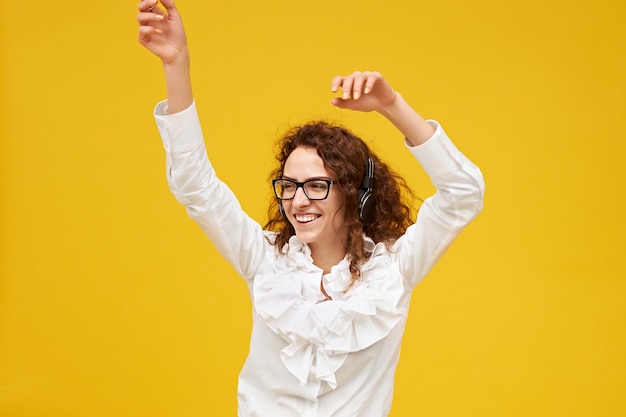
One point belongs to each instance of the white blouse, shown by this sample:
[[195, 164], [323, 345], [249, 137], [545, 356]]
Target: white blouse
[[336, 358]]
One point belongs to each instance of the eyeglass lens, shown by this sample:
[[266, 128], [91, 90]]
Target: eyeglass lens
[[313, 189]]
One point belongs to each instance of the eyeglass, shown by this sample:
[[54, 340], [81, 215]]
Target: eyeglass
[[316, 189]]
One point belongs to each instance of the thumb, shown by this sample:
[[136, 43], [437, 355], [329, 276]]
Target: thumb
[[169, 5], [339, 102]]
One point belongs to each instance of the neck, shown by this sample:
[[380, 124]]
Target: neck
[[327, 256]]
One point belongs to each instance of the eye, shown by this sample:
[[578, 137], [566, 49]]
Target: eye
[[318, 185]]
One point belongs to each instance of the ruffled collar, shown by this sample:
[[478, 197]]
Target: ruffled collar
[[320, 336]]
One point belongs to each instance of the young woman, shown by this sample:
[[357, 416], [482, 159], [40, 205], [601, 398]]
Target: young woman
[[331, 274]]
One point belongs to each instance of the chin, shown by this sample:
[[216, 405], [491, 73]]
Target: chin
[[305, 237]]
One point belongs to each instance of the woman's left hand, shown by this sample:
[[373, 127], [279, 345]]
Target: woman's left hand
[[363, 91]]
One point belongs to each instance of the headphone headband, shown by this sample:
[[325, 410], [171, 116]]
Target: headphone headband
[[368, 178]]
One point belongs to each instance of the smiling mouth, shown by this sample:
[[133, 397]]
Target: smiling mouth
[[306, 218]]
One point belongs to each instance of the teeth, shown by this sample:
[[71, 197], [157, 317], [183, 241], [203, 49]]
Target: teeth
[[305, 218]]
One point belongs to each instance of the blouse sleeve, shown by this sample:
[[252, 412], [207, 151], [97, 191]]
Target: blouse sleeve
[[192, 180], [458, 199]]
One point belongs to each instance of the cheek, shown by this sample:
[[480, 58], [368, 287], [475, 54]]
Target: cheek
[[338, 204], [337, 210], [286, 208]]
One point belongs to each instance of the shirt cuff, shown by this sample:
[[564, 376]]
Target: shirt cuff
[[180, 131], [438, 155]]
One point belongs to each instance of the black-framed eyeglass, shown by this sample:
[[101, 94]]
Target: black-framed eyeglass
[[315, 189]]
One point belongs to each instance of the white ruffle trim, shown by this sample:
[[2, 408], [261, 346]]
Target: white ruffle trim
[[321, 335]]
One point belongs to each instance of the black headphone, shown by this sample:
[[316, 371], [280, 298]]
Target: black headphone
[[366, 191]]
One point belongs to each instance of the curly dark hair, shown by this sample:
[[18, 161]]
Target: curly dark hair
[[345, 155]]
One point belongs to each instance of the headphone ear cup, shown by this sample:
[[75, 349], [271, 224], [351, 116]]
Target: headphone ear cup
[[366, 204], [366, 197]]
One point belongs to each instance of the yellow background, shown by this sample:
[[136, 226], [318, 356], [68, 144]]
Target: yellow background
[[113, 303]]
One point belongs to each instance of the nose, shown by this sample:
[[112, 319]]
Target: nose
[[300, 199]]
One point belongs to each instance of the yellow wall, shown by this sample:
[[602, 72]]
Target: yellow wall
[[113, 303]]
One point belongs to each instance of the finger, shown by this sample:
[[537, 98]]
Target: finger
[[147, 6], [337, 81], [372, 78], [339, 102], [147, 18], [152, 6], [346, 86], [146, 33], [357, 84]]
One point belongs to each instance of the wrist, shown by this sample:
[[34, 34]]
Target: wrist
[[392, 107], [178, 80], [414, 128], [177, 61]]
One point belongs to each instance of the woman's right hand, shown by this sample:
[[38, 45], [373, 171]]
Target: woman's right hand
[[162, 32]]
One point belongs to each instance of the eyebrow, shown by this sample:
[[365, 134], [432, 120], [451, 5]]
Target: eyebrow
[[285, 177]]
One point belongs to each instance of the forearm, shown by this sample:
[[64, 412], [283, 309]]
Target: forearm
[[408, 121], [459, 198], [178, 81]]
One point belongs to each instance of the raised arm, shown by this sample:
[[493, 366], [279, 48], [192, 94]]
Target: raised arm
[[368, 91], [459, 183], [161, 31], [190, 175]]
